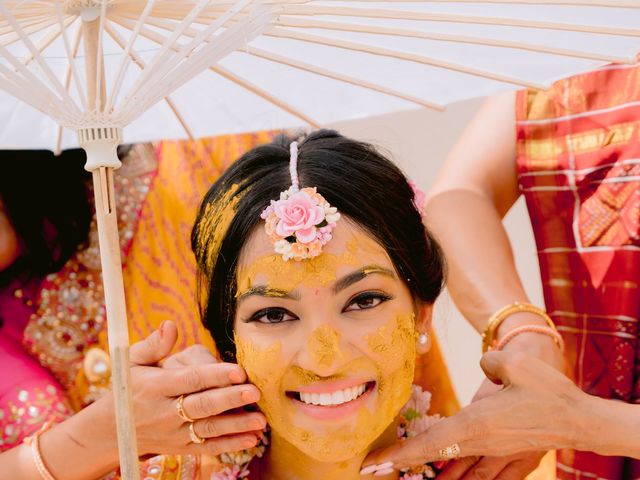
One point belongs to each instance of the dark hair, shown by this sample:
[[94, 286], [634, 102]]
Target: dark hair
[[45, 197], [352, 176]]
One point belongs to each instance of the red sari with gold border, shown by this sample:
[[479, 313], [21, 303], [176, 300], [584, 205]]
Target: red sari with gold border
[[578, 156]]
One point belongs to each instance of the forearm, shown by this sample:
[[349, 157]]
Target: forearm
[[82, 447], [607, 427], [482, 276]]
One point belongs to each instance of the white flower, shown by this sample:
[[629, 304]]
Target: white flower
[[283, 247], [332, 217]]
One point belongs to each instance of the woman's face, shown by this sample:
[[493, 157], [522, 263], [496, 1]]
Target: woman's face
[[330, 342]]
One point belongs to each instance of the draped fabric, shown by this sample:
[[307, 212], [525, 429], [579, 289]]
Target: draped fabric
[[159, 189], [578, 158]]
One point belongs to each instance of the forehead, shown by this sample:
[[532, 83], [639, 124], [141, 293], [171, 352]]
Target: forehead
[[349, 249]]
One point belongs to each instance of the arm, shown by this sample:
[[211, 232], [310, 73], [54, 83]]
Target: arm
[[84, 446], [538, 409], [475, 188]]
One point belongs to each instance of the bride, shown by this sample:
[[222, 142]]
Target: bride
[[318, 277]]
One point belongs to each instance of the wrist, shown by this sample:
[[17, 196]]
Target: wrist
[[607, 427], [516, 320], [90, 435], [591, 427]]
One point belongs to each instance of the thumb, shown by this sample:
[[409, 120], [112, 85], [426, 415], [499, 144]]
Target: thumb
[[156, 346], [494, 366]]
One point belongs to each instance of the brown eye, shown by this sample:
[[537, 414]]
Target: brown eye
[[367, 301], [272, 315]]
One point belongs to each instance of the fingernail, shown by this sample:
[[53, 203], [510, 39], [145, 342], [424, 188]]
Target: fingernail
[[381, 473], [161, 328], [369, 469], [248, 396], [248, 443], [256, 424], [385, 466], [234, 376]]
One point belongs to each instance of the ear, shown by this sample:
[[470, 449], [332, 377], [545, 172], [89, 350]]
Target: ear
[[423, 326]]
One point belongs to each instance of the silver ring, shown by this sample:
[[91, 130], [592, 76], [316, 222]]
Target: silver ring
[[449, 453]]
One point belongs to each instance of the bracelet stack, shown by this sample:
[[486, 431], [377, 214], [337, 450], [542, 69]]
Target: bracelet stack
[[489, 341]]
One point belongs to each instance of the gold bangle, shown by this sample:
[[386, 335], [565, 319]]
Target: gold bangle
[[488, 336]]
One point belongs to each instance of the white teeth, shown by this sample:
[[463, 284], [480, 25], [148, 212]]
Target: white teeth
[[335, 398], [338, 397]]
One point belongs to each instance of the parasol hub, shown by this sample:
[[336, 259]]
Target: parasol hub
[[101, 144], [89, 10]]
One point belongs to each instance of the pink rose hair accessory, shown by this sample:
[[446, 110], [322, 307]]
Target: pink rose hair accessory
[[419, 197], [301, 221]]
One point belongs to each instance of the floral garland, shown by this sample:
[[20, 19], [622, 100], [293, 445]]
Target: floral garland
[[413, 421]]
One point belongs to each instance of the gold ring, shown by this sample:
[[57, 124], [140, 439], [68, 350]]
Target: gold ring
[[195, 438], [449, 453], [181, 413]]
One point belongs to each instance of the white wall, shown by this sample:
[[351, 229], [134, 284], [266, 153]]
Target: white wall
[[419, 141]]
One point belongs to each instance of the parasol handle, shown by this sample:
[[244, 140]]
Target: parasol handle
[[100, 145]]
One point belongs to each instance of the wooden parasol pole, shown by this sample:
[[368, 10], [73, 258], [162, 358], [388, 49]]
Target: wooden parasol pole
[[101, 144]]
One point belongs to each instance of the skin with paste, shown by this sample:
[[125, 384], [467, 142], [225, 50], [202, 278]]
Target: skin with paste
[[331, 345]]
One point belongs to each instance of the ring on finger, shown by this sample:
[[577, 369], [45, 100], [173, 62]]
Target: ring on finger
[[195, 438], [181, 413], [449, 453]]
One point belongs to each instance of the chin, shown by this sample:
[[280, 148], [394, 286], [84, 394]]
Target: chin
[[335, 431]]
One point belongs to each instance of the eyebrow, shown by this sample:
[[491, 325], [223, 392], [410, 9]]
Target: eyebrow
[[264, 291], [338, 286], [361, 274]]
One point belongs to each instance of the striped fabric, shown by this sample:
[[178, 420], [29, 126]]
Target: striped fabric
[[578, 156]]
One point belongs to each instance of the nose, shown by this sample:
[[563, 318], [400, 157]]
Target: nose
[[325, 351]]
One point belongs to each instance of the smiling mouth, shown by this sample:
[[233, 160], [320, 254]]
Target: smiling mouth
[[332, 399]]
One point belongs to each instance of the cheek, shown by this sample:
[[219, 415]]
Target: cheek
[[261, 362], [392, 348]]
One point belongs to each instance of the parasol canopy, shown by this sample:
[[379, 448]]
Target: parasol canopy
[[82, 71], [198, 68]]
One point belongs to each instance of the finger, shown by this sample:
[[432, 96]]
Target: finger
[[196, 378], [156, 346], [219, 400], [193, 355], [219, 445], [521, 467], [487, 468], [424, 447], [458, 468], [230, 424], [494, 365]]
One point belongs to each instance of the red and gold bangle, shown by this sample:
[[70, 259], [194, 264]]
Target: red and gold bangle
[[551, 332], [34, 442]]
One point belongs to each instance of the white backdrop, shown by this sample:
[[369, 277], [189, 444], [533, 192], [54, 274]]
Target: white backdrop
[[419, 141]]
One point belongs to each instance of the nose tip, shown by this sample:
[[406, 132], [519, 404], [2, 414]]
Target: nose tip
[[324, 346]]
